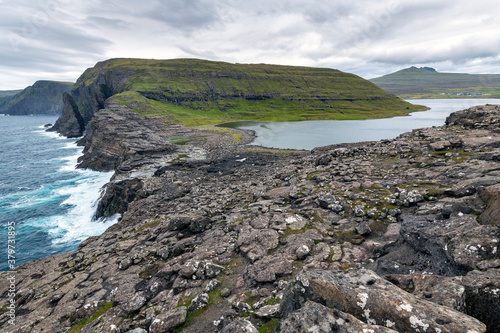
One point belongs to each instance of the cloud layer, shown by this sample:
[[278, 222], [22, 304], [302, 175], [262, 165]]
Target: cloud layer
[[59, 39]]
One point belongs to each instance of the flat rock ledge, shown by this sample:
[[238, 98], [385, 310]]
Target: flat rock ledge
[[373, 300], [397, 235]]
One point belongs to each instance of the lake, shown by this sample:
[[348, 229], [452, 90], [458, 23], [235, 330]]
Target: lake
[[315, 133]]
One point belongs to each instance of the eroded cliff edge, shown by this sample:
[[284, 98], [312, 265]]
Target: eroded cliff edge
[[217, 237]]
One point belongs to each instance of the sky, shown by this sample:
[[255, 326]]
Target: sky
[[59, 39]]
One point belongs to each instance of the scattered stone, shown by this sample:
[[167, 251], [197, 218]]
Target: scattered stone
[[363, 228], [167, 321], [267, 311], [212, 285], [302, 252], [199, 302], [239, 325], [225, 292]]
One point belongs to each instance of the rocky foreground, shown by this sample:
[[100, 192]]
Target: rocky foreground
[[392, 236]]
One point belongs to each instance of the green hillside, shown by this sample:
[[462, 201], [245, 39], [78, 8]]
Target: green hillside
[[198, 92], [7, 93], [43, 97], [427, 83]]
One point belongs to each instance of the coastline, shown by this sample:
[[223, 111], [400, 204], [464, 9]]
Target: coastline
[[251, 225]]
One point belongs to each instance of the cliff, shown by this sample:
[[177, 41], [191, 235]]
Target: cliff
[[43, 97], [196, 92], [399, 235]]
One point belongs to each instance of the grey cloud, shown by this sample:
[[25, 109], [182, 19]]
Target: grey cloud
[[108, 22], [460, 53], [185, 15], [362, 36]]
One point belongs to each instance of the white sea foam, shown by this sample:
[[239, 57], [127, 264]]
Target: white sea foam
[[78, 222], [70, 162], [54, 135]]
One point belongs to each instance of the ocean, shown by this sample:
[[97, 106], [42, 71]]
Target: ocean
[[44, 198]]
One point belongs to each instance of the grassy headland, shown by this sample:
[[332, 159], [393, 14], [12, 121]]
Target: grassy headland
[[199, 92], [428, 83], [43, 97]]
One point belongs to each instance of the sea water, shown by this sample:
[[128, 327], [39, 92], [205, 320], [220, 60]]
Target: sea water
[[51, 203]]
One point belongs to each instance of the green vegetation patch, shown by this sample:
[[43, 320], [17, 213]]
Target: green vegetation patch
[[178, 140], [102, 310], [151, 224], [198, 92], [269, 326]]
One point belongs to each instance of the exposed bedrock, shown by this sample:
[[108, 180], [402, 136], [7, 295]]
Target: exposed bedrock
[[398, 235], [372, 299]]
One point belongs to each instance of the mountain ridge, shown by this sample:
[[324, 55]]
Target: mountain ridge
[[426, 82], [43, 97]]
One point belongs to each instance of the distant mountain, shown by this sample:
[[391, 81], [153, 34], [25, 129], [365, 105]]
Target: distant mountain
[[427, 82], [43, 97], [7, 93]]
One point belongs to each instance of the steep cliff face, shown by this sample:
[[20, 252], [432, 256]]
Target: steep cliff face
[[43, 97], [198, 92], [70, 123], [87, 97]]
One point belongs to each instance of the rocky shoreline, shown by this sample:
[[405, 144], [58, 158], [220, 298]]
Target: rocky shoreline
[[397, 235]]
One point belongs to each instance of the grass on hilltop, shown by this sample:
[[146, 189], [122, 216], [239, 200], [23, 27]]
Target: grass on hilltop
[[199, 92]]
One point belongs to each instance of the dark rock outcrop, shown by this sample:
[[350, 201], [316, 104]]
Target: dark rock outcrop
[[314, 317], [210, 218], [70, 123], [374, 300]]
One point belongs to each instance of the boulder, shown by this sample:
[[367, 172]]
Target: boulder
[[239, 325], [167, 321], [491, 196], [446, 247], [442, 290], [483, 297], [368, 297], [255, 243], [267, 311], [314, 317], [269, 268], [199, 302]]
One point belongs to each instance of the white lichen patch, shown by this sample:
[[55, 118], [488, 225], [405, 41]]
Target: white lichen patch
[[407, 307], [495, 291], [369, 320], [471, 248], [389, 323], [363, 297], [416, 323], [303, 280]]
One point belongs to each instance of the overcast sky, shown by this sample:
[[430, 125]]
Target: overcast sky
[[59, 39]]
